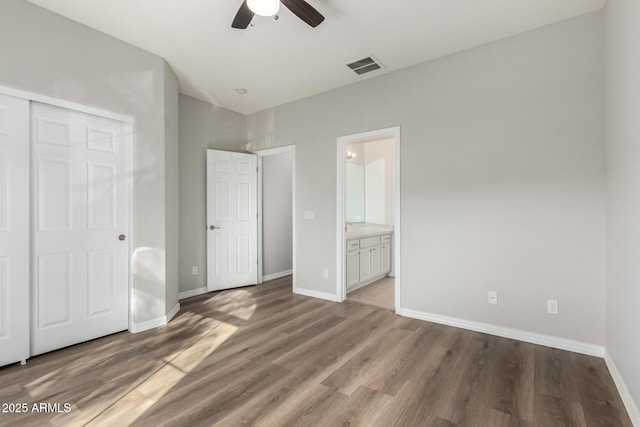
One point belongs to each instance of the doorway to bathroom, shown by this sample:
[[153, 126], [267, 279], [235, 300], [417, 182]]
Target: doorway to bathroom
[[368, 218]]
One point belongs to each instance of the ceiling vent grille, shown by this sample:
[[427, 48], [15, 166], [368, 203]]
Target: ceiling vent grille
[[364, 65]]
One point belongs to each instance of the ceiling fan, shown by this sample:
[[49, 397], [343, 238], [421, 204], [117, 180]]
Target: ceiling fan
[[300, 8]]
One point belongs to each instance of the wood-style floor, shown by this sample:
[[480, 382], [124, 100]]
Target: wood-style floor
[[263, 356], [380, 293]]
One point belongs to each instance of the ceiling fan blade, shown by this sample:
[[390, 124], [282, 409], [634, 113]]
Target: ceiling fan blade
[[304, 11], [243, 17]]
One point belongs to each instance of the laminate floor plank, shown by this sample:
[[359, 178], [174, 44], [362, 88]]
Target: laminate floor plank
[[332, 352], [303, 318], [425, 347], [467, 392], [365, 405], [556, 412], [209, 408], [263, 356], [554, 374], [352, 374], [512, 379], [600, 400], [440, 385], [310, 408], [327, 327], [284, 392], [600, 413]]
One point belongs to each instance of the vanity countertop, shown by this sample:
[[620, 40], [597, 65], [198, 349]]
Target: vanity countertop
[[359, 230]]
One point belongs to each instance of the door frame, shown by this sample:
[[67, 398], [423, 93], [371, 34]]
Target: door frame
[[342, 141], [272, 152], [128, 140]]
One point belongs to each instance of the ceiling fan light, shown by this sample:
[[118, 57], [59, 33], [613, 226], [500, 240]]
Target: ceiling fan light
[[264, 7]]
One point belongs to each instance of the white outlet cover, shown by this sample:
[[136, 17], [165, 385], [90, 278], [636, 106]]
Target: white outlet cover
[[309, 215], [493, 297], [552, 306]]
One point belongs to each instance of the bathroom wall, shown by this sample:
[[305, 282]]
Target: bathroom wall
[[380, 181], [378, 159]]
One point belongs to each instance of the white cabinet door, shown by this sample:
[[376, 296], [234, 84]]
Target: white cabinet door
[[14, 229], [365, 264], [385, 257], [353, 269], [376, 264], [80, 205], [232, 220]]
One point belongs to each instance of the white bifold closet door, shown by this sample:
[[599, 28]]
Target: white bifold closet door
[[14, 229], [80, 224]]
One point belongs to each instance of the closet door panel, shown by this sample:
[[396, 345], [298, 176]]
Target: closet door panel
[[80, 251], [14, 230]]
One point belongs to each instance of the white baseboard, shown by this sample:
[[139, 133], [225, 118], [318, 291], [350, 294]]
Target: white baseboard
[[173, 312], [629, 403], [154, 323], [277, 275], [516, 334], [192, 293], [315, 294]]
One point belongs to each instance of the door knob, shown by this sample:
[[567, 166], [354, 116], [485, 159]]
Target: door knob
[[213, 227], [122, 237]]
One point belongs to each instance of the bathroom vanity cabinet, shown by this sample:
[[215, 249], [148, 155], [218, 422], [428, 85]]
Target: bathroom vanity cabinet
[[368, 258]]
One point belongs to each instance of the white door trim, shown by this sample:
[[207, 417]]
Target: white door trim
[[44, 99], [130, 141], [341, 288], [273, 152]]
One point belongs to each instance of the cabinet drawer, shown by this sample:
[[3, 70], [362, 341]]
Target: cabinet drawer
[[353, 245], [386, 238], [367, 242]]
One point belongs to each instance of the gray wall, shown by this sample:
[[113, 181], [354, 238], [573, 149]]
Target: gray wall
[[502, 178], [172, 200], [45, 53], [277, 232], [202, 126], [623, 171], [381, 209]]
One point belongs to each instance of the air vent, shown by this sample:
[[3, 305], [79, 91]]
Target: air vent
[[364, 65]]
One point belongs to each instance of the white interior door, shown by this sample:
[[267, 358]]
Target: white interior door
[[14, 229], [80, 205], [232, 220]]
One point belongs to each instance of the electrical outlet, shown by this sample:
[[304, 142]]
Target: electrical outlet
[[552, 306], [493, 297], [194, 270], [325, 273]]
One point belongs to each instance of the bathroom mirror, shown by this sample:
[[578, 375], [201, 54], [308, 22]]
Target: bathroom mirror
[[355, 192]]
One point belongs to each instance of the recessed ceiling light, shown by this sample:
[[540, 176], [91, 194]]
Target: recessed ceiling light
[[241, 91]]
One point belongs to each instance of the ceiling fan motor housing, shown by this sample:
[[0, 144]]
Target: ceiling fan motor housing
[[264, 7]]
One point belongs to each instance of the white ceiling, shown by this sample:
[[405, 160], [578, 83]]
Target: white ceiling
[[285, 60]]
